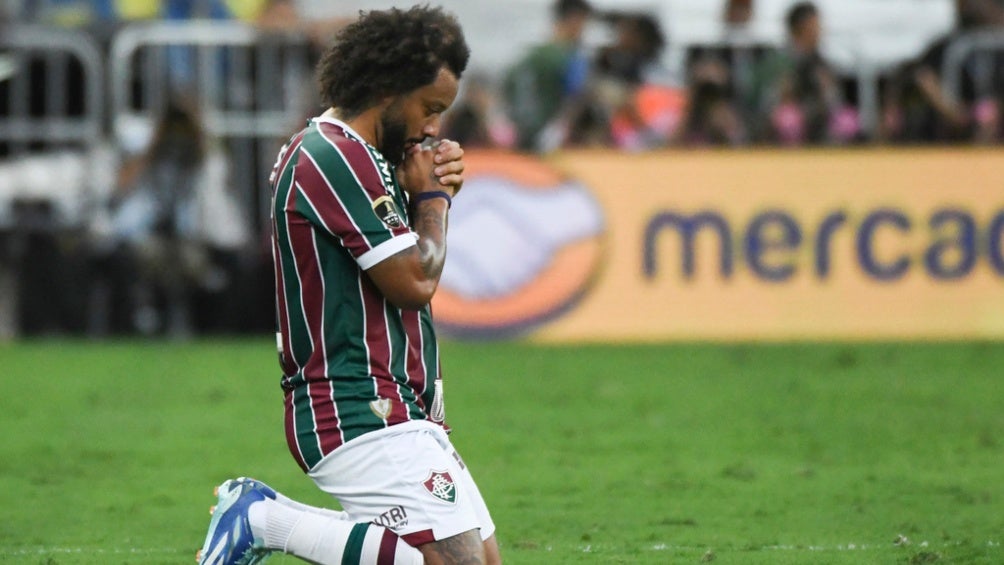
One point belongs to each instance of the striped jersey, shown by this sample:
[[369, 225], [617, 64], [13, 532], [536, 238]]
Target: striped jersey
[[351, 361]]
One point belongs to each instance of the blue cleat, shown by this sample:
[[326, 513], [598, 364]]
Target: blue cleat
[[230, 541]]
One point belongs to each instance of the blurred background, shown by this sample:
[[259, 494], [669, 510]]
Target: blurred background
[[136, 138]]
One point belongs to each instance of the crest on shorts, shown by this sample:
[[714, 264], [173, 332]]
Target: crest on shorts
[[440, 484], [381, 407], [386, 210]]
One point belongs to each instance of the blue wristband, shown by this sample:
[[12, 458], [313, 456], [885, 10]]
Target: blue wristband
[[434, 194]]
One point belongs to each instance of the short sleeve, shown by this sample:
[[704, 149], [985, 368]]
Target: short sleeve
[[348, 192]]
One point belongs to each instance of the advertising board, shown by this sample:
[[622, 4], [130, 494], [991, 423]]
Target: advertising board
[[763, 245]]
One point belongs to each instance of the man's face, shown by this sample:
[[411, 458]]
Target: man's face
[[809, 33], [738, 12], [577, 24], [410, 118]]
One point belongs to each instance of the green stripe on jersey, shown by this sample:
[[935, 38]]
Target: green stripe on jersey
[[343, 310], [398, 343], [399, 359], [303, 419], [352, 397], [354, 545], [430, 355], [299, 337]]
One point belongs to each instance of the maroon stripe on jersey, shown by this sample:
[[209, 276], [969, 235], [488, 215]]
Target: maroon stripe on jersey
[[290, 426], [413, 365], [378, 342], [388, 548], [308, 269], [328, 207], [416, 539], [358, 157]]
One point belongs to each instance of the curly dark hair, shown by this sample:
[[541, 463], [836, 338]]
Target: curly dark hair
[[389, 53]]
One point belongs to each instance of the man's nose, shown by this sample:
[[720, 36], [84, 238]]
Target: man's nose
[[431, 128]]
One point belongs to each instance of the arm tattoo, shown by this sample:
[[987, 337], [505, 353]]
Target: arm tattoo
[[430, 224], [462, 549]]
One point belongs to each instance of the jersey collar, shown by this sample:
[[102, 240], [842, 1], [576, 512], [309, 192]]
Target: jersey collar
[[351, 132]]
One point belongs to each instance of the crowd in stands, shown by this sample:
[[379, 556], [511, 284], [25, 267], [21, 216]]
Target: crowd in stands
[[739, 91], [561, 95], [150, 262]]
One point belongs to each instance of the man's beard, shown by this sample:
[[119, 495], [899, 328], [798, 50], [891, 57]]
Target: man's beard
[[394, 136]]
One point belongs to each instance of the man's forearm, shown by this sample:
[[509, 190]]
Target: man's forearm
[[430, 221]]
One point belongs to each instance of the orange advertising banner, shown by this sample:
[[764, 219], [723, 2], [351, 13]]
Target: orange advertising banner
[[728, 245]]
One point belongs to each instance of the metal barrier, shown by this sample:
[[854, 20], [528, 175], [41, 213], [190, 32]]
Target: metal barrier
[[253, 89], [53, 48], [977, 51], [51, 124], [51, 121]]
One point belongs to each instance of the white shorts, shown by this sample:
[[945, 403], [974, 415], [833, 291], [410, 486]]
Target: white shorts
[[407, 478]]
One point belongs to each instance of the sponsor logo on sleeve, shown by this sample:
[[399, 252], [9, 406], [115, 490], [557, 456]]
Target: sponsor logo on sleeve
[[386, 210]]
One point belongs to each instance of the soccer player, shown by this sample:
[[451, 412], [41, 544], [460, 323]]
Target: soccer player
[[359, 242]]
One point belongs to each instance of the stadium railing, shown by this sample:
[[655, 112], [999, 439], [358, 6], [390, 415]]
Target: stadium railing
[[51, 124], [979, 51], [252, 88], [35, 49]]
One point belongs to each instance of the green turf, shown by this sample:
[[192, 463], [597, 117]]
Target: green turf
[[601, 454]]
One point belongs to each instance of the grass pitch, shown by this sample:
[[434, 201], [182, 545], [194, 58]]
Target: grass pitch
[[686, 453]]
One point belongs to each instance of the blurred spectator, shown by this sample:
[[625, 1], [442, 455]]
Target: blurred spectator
[[712, 117], [174, 228], [719, 77], [797, 97], [476, 120], [917, 106], [738, 13], [638, 42], [620, 75], [544, 86]]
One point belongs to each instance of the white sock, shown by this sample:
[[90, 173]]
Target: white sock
[[290, 503], [327, 540]]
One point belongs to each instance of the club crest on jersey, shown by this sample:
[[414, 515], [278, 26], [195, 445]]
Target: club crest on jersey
[[386, 210], [440, 484], [381, 407]]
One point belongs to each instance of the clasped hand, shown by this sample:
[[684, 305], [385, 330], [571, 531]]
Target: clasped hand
[[439, 167]]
